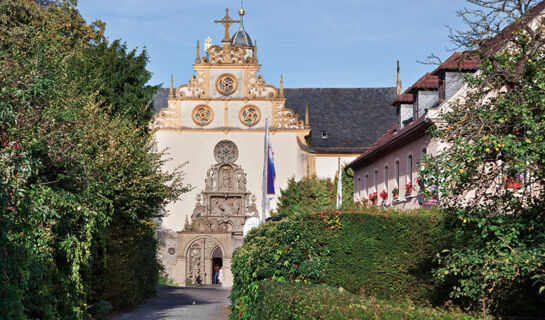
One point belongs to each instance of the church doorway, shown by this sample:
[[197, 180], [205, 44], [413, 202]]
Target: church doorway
[[217, 266]]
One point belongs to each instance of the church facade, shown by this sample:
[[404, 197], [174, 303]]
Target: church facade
[[214, 126]]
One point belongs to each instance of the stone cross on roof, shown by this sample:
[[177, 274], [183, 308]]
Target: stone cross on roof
[[227, 22]]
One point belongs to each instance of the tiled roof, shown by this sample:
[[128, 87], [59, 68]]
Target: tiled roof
[[507, 33], [389, 138], [459, 61], [406, 97], [352, 117], [428, 81]]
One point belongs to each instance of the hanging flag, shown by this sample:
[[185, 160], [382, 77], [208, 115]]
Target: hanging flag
[[340, 188], [271, 172]]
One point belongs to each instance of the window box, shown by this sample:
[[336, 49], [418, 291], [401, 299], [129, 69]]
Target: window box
[[513, 185]]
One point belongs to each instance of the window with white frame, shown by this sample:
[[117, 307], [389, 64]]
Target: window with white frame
[[376, 180], [410, 168], [366, 184], [386, 179], [396, 173], [358, 184]]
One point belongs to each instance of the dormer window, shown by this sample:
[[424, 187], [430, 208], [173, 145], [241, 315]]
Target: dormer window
[[324, 134]]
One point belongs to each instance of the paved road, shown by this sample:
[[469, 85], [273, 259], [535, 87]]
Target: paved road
[[191, 303]]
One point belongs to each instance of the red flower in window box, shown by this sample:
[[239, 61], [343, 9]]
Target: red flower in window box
[[373, 197], [395, 192], [384, 195], [514, 182], [409, 188]]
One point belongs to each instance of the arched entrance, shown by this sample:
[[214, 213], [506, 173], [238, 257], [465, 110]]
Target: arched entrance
[[200, 257], [217, 266]]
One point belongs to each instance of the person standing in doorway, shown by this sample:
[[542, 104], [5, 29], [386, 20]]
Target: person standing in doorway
[[215, 279]]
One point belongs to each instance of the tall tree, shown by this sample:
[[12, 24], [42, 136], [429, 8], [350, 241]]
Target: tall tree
[[119, 77], [496, 138], [71, 176]]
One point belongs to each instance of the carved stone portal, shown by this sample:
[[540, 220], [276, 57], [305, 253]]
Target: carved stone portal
[[225, 203], [199, 257]]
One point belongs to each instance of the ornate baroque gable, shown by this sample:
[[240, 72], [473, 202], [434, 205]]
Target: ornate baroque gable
[[229, 57]]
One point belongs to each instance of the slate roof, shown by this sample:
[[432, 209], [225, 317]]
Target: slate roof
[[242, 38], [353, 118], [159, 100]]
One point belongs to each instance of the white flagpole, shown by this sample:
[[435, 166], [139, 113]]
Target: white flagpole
[[340, 188], [264, 205]]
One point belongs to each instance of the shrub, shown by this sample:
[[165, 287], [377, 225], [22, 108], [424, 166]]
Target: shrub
[[279, 301], [284, 250], [164, 280], [312, 194], [307, 195], [386, 254]]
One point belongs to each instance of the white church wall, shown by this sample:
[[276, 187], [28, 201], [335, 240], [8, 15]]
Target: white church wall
[[237, 73], [197, 149]]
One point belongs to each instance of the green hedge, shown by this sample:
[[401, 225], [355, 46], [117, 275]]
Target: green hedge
[[386, 254], [279, 301]]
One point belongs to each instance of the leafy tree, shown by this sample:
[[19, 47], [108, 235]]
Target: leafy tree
[[118, 76], [313, 194], [496, 133], [75, 182]]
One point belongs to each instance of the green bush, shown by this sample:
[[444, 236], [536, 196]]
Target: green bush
[[386, 254], [279, 301], [285, 250], [312, 194]]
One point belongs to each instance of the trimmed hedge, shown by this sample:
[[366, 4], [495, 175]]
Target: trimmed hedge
[[386, 254], [285, 301]]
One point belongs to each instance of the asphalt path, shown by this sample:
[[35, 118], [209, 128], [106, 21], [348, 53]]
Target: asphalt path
[[195, 303]]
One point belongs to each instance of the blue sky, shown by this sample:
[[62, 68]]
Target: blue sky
[[312, 43]]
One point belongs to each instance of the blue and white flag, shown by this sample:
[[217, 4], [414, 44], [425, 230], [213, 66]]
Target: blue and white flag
[[271, 172]]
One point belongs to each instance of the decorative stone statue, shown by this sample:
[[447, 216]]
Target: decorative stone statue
[[225, 202]]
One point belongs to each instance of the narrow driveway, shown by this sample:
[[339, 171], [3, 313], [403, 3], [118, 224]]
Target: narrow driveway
[[195, 303]]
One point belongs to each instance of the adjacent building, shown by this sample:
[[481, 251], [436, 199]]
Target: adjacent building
[[390, 166]]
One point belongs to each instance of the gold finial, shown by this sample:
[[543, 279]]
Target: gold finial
[[398, 82], [307, 123], [241, 12], [198, 58], [171, 94], [281, 87], [227, 22], [255, 51]]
